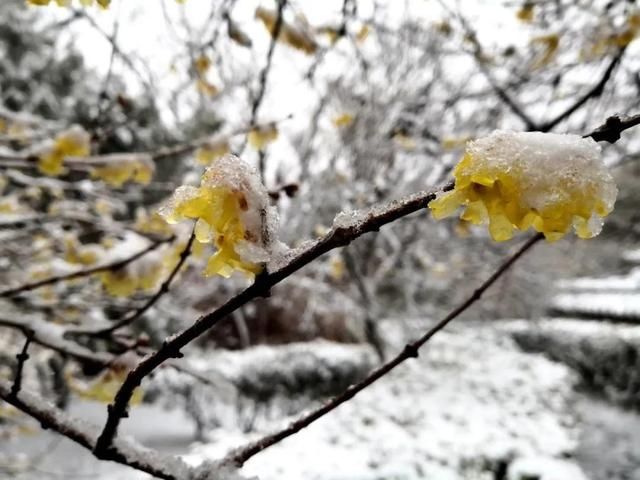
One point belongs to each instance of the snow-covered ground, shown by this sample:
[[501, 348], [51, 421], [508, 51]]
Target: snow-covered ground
[[472, 406], [469, 403]]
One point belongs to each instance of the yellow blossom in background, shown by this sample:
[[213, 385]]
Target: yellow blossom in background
[[333, 34], [337, 268], [125, 282], [74, 142], [516, 181], [451, 143], [211, 151], [151, 223], [104, 387], [295, 36], [207, 88], [121, 168], [525, 13], [260, 137], [9, 204], [144, 274], [363, 33], [79, 254], [549, 47], [202, 64], [405, 141], [237, 34], [232, 213], [343, 120]]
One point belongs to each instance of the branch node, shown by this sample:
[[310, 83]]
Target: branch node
[[410, 351]]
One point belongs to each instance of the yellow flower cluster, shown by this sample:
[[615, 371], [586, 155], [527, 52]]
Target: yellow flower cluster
[[146, 274], [74, 142], [79, 254], [261, 136], [230, 207], [544, 181], [125, 282], [121, 168]]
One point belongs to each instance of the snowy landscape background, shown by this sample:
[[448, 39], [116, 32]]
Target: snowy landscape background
[[540, 379]]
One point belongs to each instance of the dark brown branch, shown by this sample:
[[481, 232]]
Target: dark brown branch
[[22, 358], [409, 351], [84, 273], [502, 94], [125, 453], [613, 127], [339, 236], [594, 92]]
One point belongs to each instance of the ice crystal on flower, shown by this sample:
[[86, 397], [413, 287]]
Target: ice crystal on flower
[[516, 181]]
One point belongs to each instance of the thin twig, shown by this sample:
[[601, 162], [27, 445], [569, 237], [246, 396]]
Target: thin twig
[[22, 358], [593, 92], [264, 74]]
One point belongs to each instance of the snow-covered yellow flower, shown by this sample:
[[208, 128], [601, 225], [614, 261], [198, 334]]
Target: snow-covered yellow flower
[[74, 142], [516, 181], [231, 207]]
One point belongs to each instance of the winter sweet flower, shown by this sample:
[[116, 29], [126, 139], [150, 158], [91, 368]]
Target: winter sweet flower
[[232, 210], [516, 181]]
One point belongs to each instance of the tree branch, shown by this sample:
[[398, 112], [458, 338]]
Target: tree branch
[[116, 265], [133, 316], [124, 452], [22, 358], [339, 236], [611, 129], [409, 351], [595, 91]]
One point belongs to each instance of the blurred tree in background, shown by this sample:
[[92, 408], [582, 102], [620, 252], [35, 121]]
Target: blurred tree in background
[[341, 106]]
